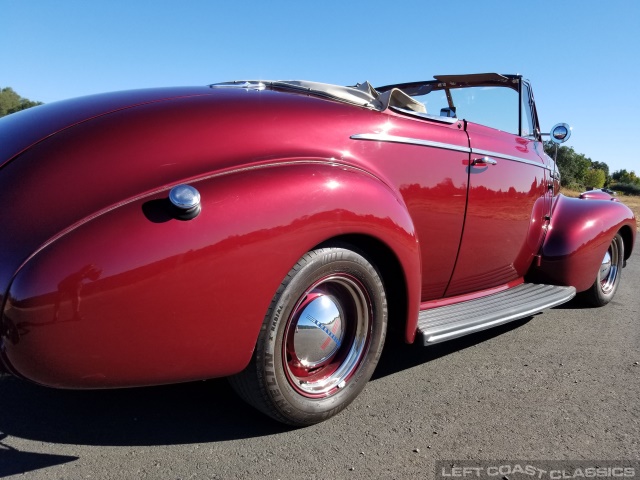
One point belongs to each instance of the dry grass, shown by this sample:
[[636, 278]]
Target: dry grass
[[569, 193], [631, 201]]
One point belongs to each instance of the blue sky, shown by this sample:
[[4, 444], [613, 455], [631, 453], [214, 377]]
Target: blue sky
[[581, 56]]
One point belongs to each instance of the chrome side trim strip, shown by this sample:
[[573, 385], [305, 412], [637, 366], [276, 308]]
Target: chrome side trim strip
[[381, 137]]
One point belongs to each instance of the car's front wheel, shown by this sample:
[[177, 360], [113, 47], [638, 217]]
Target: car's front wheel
[[608, 277], [320, 341]]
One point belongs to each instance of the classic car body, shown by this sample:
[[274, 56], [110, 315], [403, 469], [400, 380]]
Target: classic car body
[[320, 214]]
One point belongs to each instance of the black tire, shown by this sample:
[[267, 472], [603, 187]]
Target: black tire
[[608, 277], [320, 340]]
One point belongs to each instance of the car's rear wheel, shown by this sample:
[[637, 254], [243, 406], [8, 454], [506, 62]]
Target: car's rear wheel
[[320, 341], [608, 278]]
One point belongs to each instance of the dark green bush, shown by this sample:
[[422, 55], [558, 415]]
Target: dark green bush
[[628, 188]]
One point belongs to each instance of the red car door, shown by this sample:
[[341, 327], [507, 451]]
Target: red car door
[[506, 209], [425, 158]]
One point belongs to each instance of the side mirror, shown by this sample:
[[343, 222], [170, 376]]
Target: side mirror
[[560, 133]]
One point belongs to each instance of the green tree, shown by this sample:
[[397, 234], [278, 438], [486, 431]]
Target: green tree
[[11, 102], [594, 178], [605, 168], [601, 166], [573, 166], [622, 176]]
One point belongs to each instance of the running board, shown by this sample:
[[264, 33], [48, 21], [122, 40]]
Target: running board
[[451, 321]]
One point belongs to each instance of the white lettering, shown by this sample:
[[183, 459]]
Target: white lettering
[[534, 471], [470, 470]]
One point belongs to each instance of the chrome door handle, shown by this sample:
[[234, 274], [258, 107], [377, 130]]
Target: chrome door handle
[[478, 162]]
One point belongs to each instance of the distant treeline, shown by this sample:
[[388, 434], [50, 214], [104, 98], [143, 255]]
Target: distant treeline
[[579, 172], [11, 102]]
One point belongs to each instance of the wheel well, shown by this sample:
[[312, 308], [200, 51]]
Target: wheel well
[[386, 262], [627, 238]]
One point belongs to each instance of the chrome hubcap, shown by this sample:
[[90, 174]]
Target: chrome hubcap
[[609, 268], [605, 268], [318, 333], [327, 335]]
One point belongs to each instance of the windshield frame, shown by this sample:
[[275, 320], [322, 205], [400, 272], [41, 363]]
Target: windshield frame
[[447, 83]]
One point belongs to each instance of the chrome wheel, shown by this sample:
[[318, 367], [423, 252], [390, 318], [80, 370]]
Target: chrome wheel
[[609, 268], [327, 335], [608, 277], [320, 340]]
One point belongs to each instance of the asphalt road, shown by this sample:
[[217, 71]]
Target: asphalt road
[[561, 385]]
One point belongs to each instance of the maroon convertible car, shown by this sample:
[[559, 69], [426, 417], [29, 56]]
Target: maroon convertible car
[[272, 231]]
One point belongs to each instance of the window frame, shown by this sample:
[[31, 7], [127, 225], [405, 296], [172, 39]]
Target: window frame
[[447, 83]]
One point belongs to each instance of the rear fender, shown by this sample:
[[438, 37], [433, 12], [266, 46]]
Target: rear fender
[[579, 234], [132, 296]]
